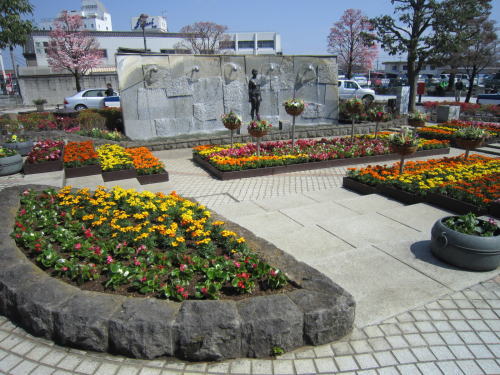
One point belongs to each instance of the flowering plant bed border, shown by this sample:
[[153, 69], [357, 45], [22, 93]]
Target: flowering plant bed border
[[438, 200], [47, 166], [318, 312], [85, 170], [122, 174], [268, 171], [145, 179]]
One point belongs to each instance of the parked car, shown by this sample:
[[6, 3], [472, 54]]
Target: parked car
[[350, 89], [492, 82], [488, 99], [90, 98], [362, 80]]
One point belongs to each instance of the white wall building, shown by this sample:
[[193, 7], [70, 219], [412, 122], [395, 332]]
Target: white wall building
[[94, 16], [252, 43]]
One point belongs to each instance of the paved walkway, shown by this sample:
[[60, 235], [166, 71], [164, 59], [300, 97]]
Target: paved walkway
[[414, 314]]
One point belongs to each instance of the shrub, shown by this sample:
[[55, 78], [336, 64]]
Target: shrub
[[90, 119], [32, 121], [114, 118]]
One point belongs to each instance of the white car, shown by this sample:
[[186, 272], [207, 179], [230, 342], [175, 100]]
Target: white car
[[90, 98], [488, 99], [363, 81], [350, 89]]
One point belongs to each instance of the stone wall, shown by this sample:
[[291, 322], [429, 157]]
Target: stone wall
[[54, 87], [164, 96]]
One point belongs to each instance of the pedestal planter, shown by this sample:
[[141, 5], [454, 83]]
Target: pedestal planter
[[11, 164], [145, 179], [232, 126], [122, 174], [468, 144], [465, 250], [403, 151], [293, 111], [257, 133], [23, 148], [86, 170], [46, 166]]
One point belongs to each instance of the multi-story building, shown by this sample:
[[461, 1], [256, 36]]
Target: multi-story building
[[94, 16]]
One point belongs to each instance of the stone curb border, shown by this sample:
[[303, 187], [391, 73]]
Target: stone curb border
[[317, 313]]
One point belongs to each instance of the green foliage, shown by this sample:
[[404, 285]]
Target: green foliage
[[89, 120], [470, 132], [114, 118], [13, 29], [470, 224], [277, 350], [31, 121]]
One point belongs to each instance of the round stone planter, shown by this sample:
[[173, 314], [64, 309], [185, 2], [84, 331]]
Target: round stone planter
[[11, 164], [415, 122], [23, 148], [464, 250], [294, 111]]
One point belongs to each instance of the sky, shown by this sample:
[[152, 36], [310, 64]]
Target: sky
[[303, 25]]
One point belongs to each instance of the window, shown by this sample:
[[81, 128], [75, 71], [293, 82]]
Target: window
[[246, 44], [38, 44], [265, 44], [227, 44], [405, 67], [433, 67], [395, 67], [351, 85], [104, 52], [45, 44], [93, 93]]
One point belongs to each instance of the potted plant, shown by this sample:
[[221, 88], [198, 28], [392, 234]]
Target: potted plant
[[258, 129], [294, 107], [21, 145], [232, 122], [10, 161], [354, 107], [403, 143], [377, 115], [469, 138], [39, 104], [467, 241], [417, 119]]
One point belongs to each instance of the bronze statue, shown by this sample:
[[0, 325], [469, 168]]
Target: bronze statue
[[254, 95]]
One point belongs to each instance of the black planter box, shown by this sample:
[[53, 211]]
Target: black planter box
[[494, 209], [453, 204], [398, 194], [119, 175], [86, 170], [46, 166], [357, 186], [268, 171], [145, 179]]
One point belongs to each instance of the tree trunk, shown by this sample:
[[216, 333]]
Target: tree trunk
[[77, 81], [13, 62], [412, 81], [471, 84]]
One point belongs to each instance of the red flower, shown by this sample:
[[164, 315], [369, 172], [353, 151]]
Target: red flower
[[241, 285], [78, 246], [109, 259], [204, 290], [183, 267]]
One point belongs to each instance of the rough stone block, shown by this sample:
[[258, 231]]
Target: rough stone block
[[82, 321], [143, 328], [179, 87], [447, 113], [268, 322], [208, 330], [327, 317]]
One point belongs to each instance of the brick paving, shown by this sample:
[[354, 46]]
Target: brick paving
[[459, 333]]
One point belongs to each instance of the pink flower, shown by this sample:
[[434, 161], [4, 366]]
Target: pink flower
[[183, 267], [22, 212], [88, 233], [78, 246], [185, 295], [26, 192], [273, 272], [97, 250], [136, 262], [64, 269], [237, 265], [109, 259], [204, 290]]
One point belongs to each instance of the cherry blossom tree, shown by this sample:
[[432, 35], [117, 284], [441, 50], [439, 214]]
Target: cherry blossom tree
[[71, 48], [347, 41], [203, 37]]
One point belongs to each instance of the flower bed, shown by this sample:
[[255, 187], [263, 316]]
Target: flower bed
[[475, 181], [317, 313], [81, 159], [150, 169], [153, 244], [468, 108], [281, 157], [44, 157], [447, 130]]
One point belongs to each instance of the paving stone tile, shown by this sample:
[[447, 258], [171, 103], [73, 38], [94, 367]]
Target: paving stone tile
[[128, 370], [470, 337], [442, 353], [313, 213], [480, 304], [69, 362], [469, 367], [195, 367], [385, 358], [461, 351], [429, 368], [23, 368], [436, 315], [404, 356], [447, 304], [449, 367], [373, 331], [365, 361], [487, 314], [433, 306], [23, 348], [495, 349], [460, 325], [62, 372], [346, 363], [405, 317], [425, 327], [408, 327], [283, 367], [388, 371], [38, 352], [463, 304], [488, 337], [242, 366], [11, 341], [361, 346], [53, 357], [261, 367], [480, 351], [451, 338], [415, 339], [88, 366], [309, 353], [331, 195], [453, 314], [409, 369], [150, 371], [493, 324], [443, 326], [423, 354], [325, 365], [9, 362], [44, 370], [342, 348], [489, 366], [397, 342], [379, 344], [107, 368], [323, 351], [366, 372], [304, 366], [470, 314]]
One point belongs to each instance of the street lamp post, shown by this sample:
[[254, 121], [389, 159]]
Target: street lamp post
[[143, 18]]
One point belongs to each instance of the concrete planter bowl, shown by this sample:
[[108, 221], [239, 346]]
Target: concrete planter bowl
[[23, 148], [11, 164], [464, 250], [318, 311]]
